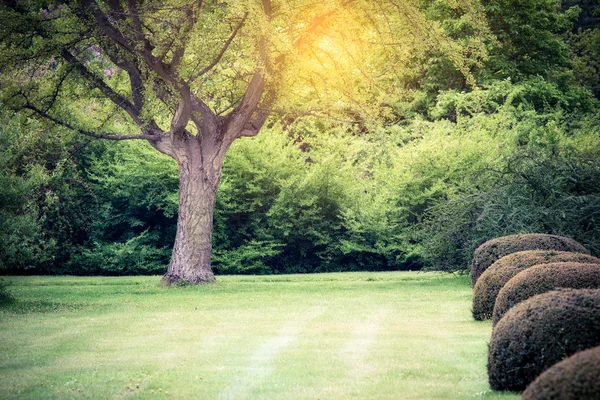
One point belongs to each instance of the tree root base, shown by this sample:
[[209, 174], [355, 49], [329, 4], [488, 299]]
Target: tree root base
[[178, 280]]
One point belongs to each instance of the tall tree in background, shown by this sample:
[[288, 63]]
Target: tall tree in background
[[190, 77]]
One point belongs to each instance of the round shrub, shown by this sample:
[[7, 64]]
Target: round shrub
[[539, 332], [495, 277], [492, 250], [544, 278], [576, 378]]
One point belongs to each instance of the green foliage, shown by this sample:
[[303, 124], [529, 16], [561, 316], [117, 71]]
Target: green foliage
[[533, 170], [532, 101], [529, 37], [80, 208], [253, 174], [134, 228], [293, 202], [520, 41], [586, 63], [420, 166], [503, 159], [140, 255], [44, 200], [21, 241]]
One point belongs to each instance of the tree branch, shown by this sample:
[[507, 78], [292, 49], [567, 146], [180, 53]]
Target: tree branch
[[184, 108], [116, 98], [180, 51], [222, 52], [109, 136], [135, 78], [165, 72], [237, 119], [137, 25], [107, 28], [57, 88]]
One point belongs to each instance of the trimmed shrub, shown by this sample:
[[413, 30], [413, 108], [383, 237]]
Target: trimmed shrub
[[495, 277], [492, 250], [539, 332], [575, 378], [544, 278]]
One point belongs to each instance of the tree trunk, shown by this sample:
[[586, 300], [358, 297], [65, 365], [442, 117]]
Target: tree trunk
[[199, 177]]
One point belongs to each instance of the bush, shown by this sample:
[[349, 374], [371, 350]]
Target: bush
[[486, 254], [546, 180], [495, 277], [46, 206], [539, 332], [544, 278], [575, 378]]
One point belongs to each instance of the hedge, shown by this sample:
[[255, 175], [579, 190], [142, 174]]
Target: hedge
[[544, 278], [498, 274], [575, 378], [539, 332], [492, 250]]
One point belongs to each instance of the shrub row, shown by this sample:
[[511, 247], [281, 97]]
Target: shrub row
[[544, 278], [575, 378], [545, 305], [539, 332], [498, 274]]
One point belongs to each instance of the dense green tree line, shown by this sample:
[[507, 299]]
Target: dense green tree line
[[446, 168]]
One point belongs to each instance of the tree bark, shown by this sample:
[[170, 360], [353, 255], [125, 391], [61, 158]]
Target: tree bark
[[199, 175]]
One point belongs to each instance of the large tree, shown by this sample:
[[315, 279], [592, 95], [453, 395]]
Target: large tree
[[190, 77]]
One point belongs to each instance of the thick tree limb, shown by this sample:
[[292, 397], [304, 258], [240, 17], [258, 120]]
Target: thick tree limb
[[107, 28], [184, 108], [137, 25], [254, 124], [140, 46], [182, 114], [135, 76], [158, 139], [204, 119], [244, 120], [117, 8], [137, 86], [237, 119]]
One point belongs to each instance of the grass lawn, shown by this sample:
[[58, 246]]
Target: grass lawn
[[398, 335]]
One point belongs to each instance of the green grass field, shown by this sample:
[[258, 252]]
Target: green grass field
[[400, 335]]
